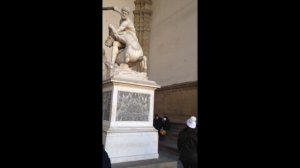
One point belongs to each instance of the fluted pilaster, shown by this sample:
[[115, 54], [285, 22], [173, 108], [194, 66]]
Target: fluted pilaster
[[142, 19]]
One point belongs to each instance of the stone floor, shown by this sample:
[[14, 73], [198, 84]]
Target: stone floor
[[169, 155], [166, 160]]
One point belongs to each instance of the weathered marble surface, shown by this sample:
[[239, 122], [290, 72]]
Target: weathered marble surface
[[106, 104], [132, 145], [123, 40], [133, 106], [124, 72], [130, 125]]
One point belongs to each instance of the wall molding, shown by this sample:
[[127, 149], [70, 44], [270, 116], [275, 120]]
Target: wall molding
[[192, 84]]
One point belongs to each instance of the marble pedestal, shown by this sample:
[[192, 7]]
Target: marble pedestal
[[128, 132]]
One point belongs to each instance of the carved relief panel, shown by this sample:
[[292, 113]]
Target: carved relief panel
[[133, 106]]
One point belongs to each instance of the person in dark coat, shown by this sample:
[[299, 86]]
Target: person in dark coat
[[165, 128], [188, 144], [157, 122], [166, 123], [105, 159]]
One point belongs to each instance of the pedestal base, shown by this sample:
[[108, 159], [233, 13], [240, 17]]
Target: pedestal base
[[128, 132], [131, 144]]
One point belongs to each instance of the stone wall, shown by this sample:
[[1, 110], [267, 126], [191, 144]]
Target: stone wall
[[173, 42], [177, 101]]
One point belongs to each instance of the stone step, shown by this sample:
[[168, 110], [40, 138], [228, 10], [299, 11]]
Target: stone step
[[172, 137], [171, 133], [152, 163], [169, 142], [177, 127], [174, 133], [169, 150], [169, 136], [168, 145]]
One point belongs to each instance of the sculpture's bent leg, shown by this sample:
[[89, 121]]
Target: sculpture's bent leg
[[143, 64], [115, 51]]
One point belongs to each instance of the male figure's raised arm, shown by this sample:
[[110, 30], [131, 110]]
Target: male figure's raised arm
[[107, 8]]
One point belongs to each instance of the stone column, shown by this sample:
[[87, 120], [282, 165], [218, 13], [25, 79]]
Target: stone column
[[142, 18]]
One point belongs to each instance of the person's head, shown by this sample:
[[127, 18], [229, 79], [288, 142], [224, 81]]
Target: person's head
[[124, 13], [165, 118], [191, 122], [156, 116]]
